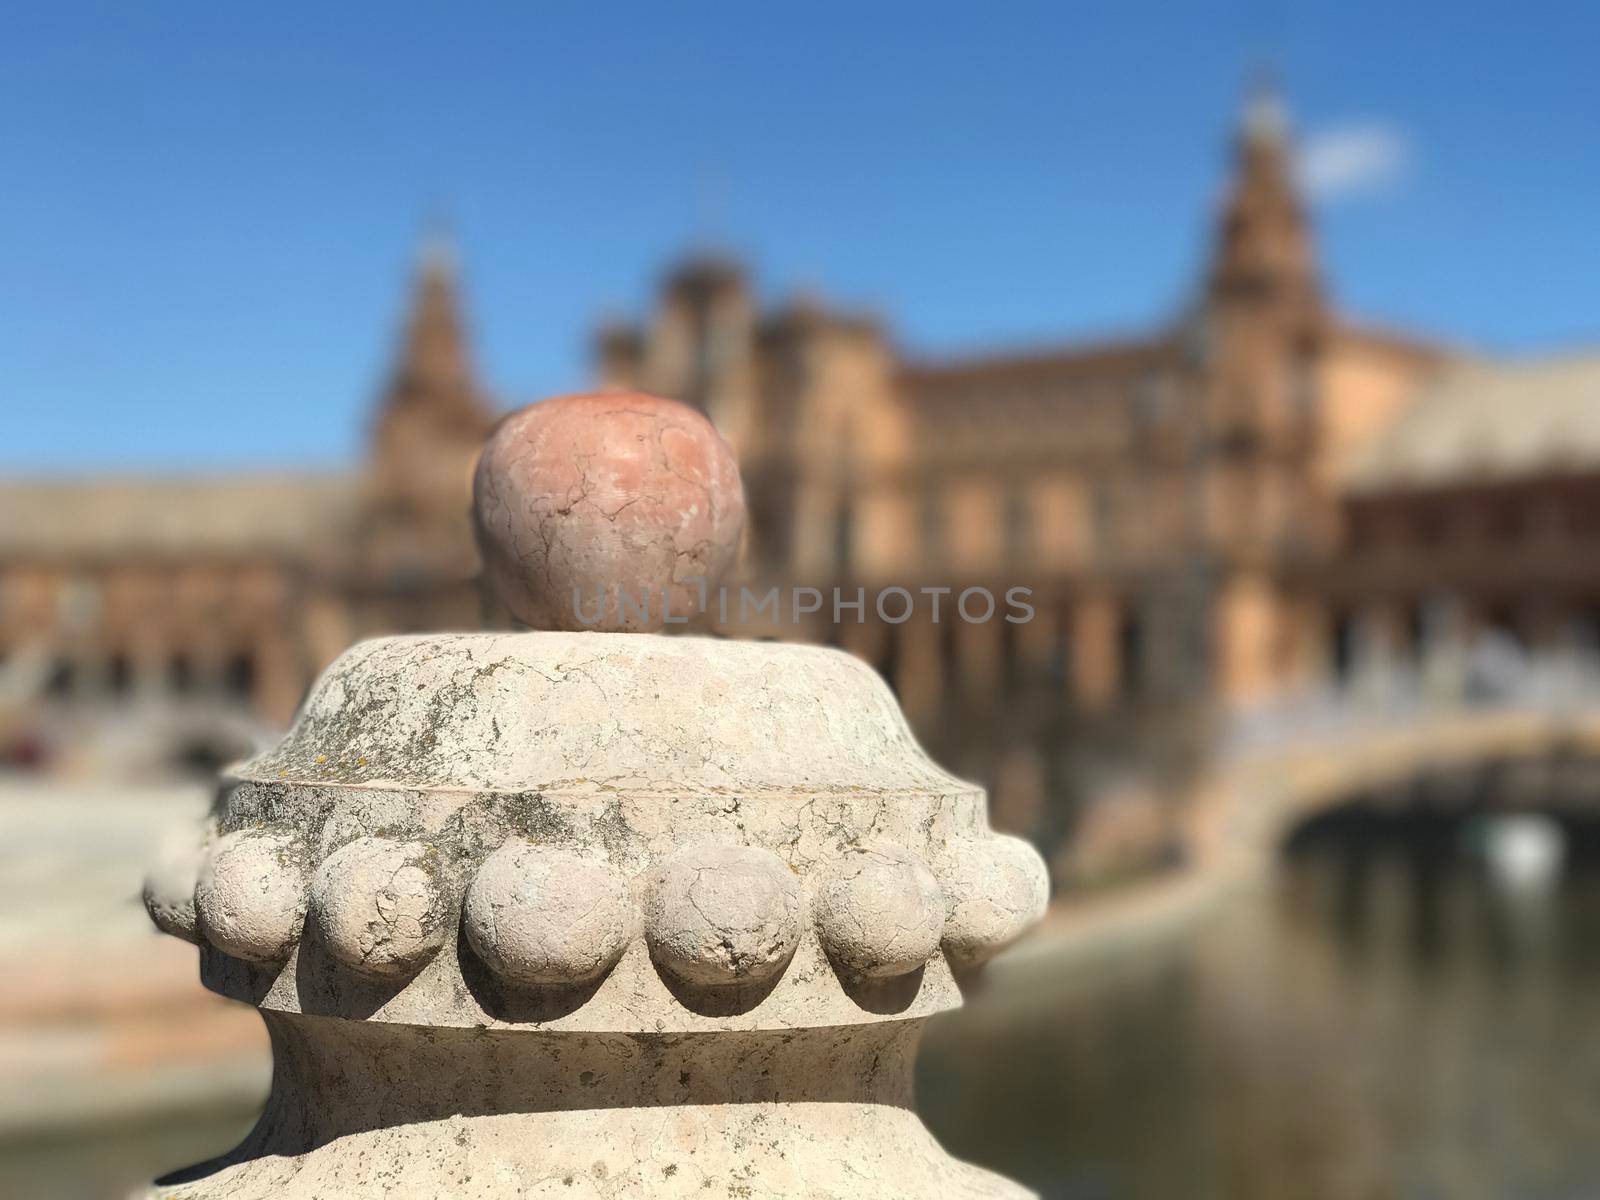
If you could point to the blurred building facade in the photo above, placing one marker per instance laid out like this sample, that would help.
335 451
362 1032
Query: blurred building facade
1238 504
1476 512
1174 503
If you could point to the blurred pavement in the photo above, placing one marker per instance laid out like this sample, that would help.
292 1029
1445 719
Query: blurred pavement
103 1022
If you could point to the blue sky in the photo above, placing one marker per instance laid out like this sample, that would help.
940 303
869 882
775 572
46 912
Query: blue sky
207 211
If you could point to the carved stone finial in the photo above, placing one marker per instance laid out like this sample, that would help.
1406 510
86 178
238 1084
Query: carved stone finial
610 511
566 913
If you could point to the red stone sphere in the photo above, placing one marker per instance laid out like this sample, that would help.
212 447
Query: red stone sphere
592 508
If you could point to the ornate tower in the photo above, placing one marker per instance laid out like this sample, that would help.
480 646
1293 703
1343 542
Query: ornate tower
1259 336
701 344
432 417
1264 249
1262 310
407 560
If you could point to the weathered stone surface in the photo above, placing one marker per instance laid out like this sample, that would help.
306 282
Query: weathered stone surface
577 714
378 906
250 901
530 749
722 915
879 911
822 1113
607 511
590 907
592 914
170 882
543 916
995 887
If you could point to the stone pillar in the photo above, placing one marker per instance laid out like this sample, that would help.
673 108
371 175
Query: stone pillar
978 648
1096 656
866 638
920 668
1313 654
1381 635
1020 790
1246 634
280 677
572 913
1035 640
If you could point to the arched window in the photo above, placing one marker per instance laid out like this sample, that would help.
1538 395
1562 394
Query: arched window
949 649
1103 515
119 675
1304 392
1012 674
63 677
932 521
1061 650
889 663
1130 649
844 521
1150 399
239 675
1019 523
1342 653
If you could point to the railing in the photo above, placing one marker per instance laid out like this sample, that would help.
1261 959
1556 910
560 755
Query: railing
1492 675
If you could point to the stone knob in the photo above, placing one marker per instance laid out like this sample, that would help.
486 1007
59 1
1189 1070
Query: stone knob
250 901
614 511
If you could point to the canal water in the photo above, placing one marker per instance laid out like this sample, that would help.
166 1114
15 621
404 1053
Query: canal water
1389 1016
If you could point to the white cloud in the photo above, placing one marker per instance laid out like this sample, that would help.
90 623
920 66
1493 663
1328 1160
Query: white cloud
1353 160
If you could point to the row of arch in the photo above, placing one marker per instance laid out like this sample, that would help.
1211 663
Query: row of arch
120 675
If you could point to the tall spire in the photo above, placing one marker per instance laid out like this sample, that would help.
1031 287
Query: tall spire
430 424
433 369
1264 248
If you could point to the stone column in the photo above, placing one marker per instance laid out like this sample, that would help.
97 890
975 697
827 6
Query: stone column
978 649
1095 657
280 676
576 913
920 668
1246 634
